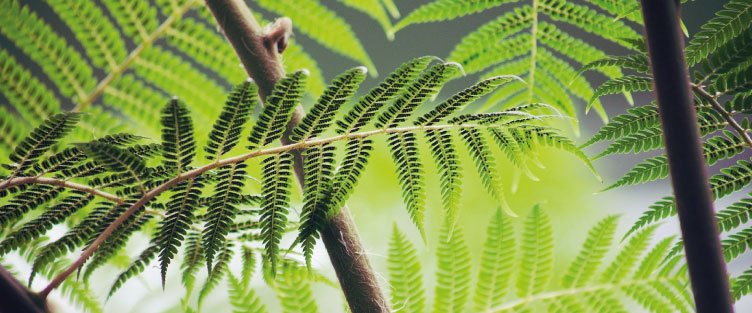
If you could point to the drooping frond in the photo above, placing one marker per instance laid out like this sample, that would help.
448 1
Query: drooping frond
365 110
138 266
319 168
179 218
278 109
496 264
536 263
626 124
222 209
450 171
218 270
243 298
454 268
42 139
226 131
411 175
294 290
276 188
116 242
626 84
335 34
405 278
741 285
178 144
320 116
357 153
376 10
193 256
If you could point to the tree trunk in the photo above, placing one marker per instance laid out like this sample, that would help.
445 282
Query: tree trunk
689 176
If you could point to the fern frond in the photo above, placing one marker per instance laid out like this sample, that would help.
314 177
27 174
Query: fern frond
357 153
636 62
63 64
738 213
277 110
496 265
742 285
459 100
193 256
243 298
42 139
116 242
454 268
11 132
30 97
450 172
222 209
411 176
536 264
178 144
335 34
40 225
741 102
365 110
320 116
25 201
589 20
624 262
375 9
728 57
136 19
116 159
593 251
729 83
294 291
644 140
423 88
626 84
275 189
736 244
174 226
319 168
579 50
141 104
442 10
485 162
138 266
626 124
735 16
101 41
218 270
226 131
405 279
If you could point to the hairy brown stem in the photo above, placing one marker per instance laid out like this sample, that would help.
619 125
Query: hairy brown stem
689 175
726 115
259 53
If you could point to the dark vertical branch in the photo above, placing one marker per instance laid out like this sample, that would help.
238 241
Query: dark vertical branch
689 177
259 51
16 298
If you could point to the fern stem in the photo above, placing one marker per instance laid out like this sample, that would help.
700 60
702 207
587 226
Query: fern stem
689 175
16 181
133 56
726 115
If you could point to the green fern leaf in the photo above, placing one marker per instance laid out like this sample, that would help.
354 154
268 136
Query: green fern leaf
741 285
496 265
364 111
140 103
728 23
627 259
116 159
101 41
277 110
136 19
411 176
375 10
626 124
116 242
636 62
627 84
319 168
294 290
732 82
459 100
454 268
442 10
226 131
335 34
405 279
425 87
27 200
589 20
193 256
178 144
242 298
276 189
741 102
134 269
222 210
218 270
591 256
38 40
179 218
536 264
357 153
320 117
734 215
450 171
42 139
736 244
485 164
729 57
30 97
40 225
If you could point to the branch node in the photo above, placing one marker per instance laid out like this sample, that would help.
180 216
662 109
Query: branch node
277 34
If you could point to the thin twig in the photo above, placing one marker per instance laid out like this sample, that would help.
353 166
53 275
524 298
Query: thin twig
726 115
